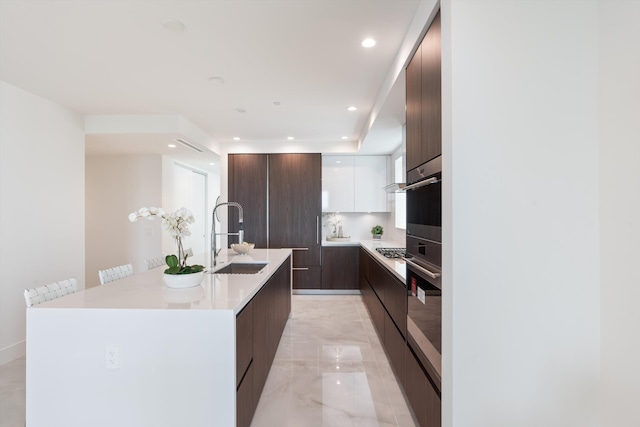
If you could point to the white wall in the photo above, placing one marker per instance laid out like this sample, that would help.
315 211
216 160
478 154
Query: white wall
115 187
521 331
177 192
620 210
41 204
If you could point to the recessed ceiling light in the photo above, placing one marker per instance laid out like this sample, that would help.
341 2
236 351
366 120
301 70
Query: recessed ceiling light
216 80
368 43
345 137
171 146
352 108
212 164
240 110
173 25
236 138
338 161
290 138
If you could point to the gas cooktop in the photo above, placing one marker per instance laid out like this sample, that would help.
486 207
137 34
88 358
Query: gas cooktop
392 252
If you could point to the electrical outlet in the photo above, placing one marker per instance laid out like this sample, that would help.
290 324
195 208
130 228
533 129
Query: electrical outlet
112 357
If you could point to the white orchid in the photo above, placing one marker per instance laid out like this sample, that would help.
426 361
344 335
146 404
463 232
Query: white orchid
176 224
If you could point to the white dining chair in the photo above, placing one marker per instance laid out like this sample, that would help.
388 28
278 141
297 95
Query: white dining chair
156 262
115 273
51 291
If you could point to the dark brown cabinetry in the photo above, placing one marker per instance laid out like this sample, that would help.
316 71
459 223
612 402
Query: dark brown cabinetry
424 99
386 300
340 267
295 206
422 394
247 186
281 197
259 327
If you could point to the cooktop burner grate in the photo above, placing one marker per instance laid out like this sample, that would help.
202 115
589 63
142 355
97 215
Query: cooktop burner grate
392 252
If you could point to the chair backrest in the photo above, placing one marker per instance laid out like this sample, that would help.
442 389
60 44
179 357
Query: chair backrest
115 273
51 291
154 262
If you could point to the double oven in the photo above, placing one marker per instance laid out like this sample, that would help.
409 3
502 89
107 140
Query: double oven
424 263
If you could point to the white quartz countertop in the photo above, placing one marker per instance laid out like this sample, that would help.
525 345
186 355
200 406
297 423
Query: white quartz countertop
396 266
146 290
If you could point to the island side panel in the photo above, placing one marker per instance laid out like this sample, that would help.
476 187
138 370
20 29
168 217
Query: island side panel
166 367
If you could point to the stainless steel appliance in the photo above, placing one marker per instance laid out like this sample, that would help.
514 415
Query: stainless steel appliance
392 252
424 265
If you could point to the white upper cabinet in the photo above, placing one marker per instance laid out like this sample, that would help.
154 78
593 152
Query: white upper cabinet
370 180
337 183
354 184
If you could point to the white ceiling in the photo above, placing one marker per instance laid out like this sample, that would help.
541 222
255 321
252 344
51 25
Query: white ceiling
114 57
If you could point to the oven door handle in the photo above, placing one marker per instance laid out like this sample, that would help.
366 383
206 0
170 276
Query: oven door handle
422 269
431 180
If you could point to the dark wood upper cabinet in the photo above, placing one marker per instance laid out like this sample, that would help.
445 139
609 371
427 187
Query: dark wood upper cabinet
248 186
414 109
281 198
432 92
295 205
424 99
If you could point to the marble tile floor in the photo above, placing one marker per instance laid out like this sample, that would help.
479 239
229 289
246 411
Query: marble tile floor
330 370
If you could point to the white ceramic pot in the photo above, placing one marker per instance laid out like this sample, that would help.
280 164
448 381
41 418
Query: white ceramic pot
180 281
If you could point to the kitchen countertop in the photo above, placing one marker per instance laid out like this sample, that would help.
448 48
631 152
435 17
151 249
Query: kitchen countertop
146 290
396 266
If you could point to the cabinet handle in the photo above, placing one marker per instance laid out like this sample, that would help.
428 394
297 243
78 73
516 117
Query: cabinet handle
299 249
300 269
431 180
317 230
422 269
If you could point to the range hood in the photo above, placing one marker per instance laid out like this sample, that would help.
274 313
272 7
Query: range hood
396 187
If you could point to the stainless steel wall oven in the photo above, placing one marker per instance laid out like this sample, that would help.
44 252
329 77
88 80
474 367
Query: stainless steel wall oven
424 264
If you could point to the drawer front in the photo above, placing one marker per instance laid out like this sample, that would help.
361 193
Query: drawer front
396 302
307 277
394 345
245 401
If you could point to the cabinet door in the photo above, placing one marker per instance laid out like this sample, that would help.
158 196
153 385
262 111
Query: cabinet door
337 183
248 186
414 109
307 277
370 175
394 345
340 267
295 205
431 93
422 395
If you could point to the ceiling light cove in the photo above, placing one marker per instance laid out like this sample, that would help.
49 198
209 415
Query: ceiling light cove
368 42
352 108
173 25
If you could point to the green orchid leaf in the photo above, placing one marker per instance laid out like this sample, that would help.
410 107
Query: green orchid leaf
172 261
172 270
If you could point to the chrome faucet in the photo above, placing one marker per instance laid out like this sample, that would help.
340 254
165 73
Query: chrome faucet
240 233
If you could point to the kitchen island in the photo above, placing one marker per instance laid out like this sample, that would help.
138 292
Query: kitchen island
135 353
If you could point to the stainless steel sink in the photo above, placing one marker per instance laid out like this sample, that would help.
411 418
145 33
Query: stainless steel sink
242 268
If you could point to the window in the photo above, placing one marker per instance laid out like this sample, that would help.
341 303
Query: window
401 198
